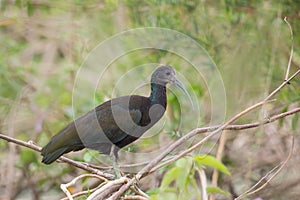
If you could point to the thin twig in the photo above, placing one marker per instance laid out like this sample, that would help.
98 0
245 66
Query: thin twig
138 191
292 49
232 127
215 175
89 167
111 167
194 132
282 85
31 145
119 181
135 197
259 182
123 189
85 192
223 127
65 187
28 144
192 148
144 171
84 167
108 192
252 190
152 164
203 181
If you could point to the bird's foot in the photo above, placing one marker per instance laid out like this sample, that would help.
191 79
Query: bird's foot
118 172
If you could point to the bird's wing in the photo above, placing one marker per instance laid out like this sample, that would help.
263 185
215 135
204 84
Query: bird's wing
107 125
97 129
63 142
122 122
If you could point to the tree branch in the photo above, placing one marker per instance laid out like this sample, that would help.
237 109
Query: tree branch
292 49
31 145
252 190
148 168
108 188
65 187
91 168
220 128
231 127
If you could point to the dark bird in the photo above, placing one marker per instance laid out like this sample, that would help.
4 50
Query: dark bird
115 123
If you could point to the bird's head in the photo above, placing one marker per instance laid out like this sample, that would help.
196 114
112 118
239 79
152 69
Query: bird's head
166 74
163 75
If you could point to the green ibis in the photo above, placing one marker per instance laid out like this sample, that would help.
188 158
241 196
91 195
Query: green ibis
115 123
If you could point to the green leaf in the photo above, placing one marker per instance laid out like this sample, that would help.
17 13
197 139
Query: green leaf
196 187
165 195
183 162
170 176
217 190
153 191
212 162
154 197
182 179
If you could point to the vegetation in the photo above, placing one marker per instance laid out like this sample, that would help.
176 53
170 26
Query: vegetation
44 45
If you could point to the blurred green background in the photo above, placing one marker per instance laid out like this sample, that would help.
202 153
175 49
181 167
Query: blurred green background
44 43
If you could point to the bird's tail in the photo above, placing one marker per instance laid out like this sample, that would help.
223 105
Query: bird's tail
50 157
63 142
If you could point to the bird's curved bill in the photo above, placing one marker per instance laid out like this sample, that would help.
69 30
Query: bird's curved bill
182 88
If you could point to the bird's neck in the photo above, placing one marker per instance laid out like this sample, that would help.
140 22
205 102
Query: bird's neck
158 94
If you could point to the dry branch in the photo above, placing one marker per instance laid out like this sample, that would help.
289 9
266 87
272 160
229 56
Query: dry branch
292 49
254 188
92 168
35 147
108 188
65 187
135 197
153 165
148 168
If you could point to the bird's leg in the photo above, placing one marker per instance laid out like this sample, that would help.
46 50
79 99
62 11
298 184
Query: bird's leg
114 156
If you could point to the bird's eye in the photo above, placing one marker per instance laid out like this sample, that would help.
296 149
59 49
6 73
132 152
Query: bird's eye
168 73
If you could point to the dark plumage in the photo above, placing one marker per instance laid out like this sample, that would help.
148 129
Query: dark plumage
117 122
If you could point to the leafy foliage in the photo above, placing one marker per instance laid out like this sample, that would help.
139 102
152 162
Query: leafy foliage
180 179
202 160
45 43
